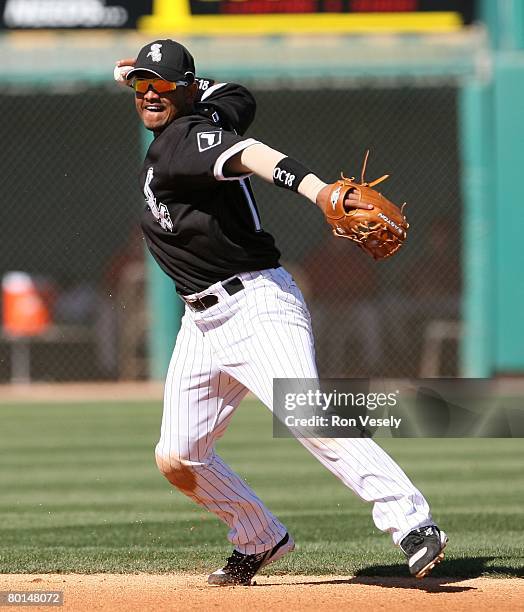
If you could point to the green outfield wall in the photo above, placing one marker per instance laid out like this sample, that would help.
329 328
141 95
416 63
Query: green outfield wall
508 211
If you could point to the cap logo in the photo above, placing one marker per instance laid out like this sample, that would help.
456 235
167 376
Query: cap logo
155 54
208 140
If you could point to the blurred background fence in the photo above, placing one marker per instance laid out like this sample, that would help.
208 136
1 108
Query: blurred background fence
369 318
71 200
71 203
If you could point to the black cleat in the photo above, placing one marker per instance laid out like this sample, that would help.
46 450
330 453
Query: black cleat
424 548
240 568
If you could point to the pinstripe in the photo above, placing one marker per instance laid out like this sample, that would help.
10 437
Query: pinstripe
209 428
198 402
382 462
212 482
261 514
337 468
187 404
365 488
182 346
250 373
230 488
219 500
244 342
257 509
232 493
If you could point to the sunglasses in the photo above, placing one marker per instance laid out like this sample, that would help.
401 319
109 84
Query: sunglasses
159 85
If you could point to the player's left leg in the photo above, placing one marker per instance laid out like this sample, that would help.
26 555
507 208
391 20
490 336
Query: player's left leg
279 344
399 508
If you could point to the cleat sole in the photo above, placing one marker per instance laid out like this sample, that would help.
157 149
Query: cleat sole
426 570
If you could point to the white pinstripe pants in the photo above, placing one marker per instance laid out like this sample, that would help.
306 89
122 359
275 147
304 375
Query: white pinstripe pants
241 344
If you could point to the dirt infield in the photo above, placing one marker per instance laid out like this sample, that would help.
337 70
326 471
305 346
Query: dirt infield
82 392
144 592
143 390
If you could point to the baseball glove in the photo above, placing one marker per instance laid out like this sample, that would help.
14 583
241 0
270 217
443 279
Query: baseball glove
379 231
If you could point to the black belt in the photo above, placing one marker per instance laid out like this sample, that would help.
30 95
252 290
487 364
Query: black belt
206 301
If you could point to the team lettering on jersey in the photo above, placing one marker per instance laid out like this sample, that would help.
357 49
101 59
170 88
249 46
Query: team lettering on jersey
159 211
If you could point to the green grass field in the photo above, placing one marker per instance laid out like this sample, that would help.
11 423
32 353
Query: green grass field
80 492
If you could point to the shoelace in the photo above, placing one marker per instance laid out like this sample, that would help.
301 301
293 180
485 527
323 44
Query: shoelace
412 542
238 561
234 560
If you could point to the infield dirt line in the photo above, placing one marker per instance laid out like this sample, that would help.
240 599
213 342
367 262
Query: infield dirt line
147 592
144 391
82 392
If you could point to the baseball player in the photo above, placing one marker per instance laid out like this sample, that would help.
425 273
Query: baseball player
245 320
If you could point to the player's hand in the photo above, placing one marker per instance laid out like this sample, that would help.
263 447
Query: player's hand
122 67
130 61
352 200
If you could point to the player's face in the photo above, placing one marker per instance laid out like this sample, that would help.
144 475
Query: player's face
158 110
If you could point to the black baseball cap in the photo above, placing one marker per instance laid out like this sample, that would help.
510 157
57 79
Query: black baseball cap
166 59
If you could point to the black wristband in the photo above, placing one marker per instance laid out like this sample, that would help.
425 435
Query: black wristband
288 173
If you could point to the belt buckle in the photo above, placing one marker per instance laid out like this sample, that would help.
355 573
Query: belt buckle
196 305
199 304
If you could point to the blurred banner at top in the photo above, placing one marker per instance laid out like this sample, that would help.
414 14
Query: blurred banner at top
239 16
67 14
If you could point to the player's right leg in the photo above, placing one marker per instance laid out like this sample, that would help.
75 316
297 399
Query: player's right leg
199 402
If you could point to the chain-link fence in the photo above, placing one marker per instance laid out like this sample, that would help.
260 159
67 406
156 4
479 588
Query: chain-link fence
372 318
71 202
